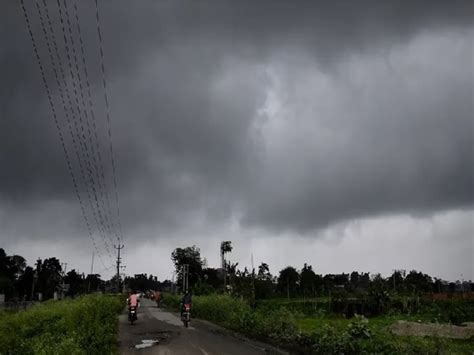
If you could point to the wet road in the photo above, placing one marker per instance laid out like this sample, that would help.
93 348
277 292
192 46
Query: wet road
160 332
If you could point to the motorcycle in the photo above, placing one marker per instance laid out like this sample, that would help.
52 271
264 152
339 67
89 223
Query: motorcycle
186 315
132 314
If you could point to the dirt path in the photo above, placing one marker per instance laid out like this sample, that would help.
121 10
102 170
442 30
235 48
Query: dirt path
161 332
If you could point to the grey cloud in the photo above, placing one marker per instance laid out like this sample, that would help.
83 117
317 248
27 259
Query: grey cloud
187 82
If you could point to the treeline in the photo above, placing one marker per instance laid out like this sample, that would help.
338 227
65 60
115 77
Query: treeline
144 282
19 281
291 282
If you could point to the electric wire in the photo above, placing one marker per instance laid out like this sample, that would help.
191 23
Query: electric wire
80 132
86 116
66 89
92 113
58 127
109 131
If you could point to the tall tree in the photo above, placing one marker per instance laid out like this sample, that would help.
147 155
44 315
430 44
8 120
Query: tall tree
25 283
76 283
192 257
396 280
309 281
418 282
226 247
264 286
49 276
288 281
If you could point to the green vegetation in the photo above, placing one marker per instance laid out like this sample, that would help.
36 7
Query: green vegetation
326 314
86 325
324 332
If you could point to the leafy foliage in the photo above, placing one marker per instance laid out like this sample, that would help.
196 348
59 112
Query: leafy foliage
192 257
86 325
275 322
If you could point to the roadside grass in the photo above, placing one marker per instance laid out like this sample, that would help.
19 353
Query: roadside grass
86 325
339 335
326 333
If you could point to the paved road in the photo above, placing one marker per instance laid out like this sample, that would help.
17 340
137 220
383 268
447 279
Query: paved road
201 338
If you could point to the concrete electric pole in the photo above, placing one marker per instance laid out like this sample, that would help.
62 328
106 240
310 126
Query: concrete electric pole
119 247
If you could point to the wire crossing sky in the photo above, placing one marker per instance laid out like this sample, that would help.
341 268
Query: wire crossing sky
79 122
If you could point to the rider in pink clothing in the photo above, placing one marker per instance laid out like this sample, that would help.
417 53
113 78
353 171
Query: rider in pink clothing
133 300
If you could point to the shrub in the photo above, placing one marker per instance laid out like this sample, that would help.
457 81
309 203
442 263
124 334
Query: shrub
86 325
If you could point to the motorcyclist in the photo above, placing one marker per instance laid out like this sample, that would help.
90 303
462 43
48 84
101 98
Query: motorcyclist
187 299
133 300
158 298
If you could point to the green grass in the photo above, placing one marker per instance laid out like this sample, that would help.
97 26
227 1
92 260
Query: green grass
381 340
286 323
86 325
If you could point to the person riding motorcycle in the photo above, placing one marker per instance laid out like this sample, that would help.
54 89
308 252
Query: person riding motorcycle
187 299
133 300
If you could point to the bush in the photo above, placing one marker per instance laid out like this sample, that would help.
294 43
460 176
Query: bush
87 325
452 311
275 322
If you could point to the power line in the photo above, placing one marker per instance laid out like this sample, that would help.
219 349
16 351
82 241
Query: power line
101 50
86 116
58 128
76 126
53 62
91 106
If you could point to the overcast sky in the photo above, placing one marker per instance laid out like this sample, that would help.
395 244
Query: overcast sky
337 134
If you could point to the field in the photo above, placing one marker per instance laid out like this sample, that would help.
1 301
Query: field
85 325
309 326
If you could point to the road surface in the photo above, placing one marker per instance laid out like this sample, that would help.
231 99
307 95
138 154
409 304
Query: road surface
161 332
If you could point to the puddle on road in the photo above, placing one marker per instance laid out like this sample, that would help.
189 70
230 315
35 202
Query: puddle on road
146 343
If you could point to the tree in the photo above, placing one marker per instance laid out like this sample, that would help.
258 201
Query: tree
418 282
75 282
211 277
264 286
17 265
93 283
188 256
25 283
288 281
226 247
309 281
49 276
264 272
396 280
11 269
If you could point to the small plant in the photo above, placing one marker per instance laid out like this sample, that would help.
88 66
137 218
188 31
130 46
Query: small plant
359 328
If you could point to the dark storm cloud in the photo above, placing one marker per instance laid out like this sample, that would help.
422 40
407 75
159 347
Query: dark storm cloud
187 81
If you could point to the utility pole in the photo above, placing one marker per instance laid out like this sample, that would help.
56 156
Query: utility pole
172 284
394 285
92 263
119 260
35 276
185 272
62 278
253 281
92 270
288 287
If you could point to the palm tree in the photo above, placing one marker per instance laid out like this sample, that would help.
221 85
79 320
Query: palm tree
226 247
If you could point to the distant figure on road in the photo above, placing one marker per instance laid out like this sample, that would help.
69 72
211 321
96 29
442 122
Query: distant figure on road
158 298
187 299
